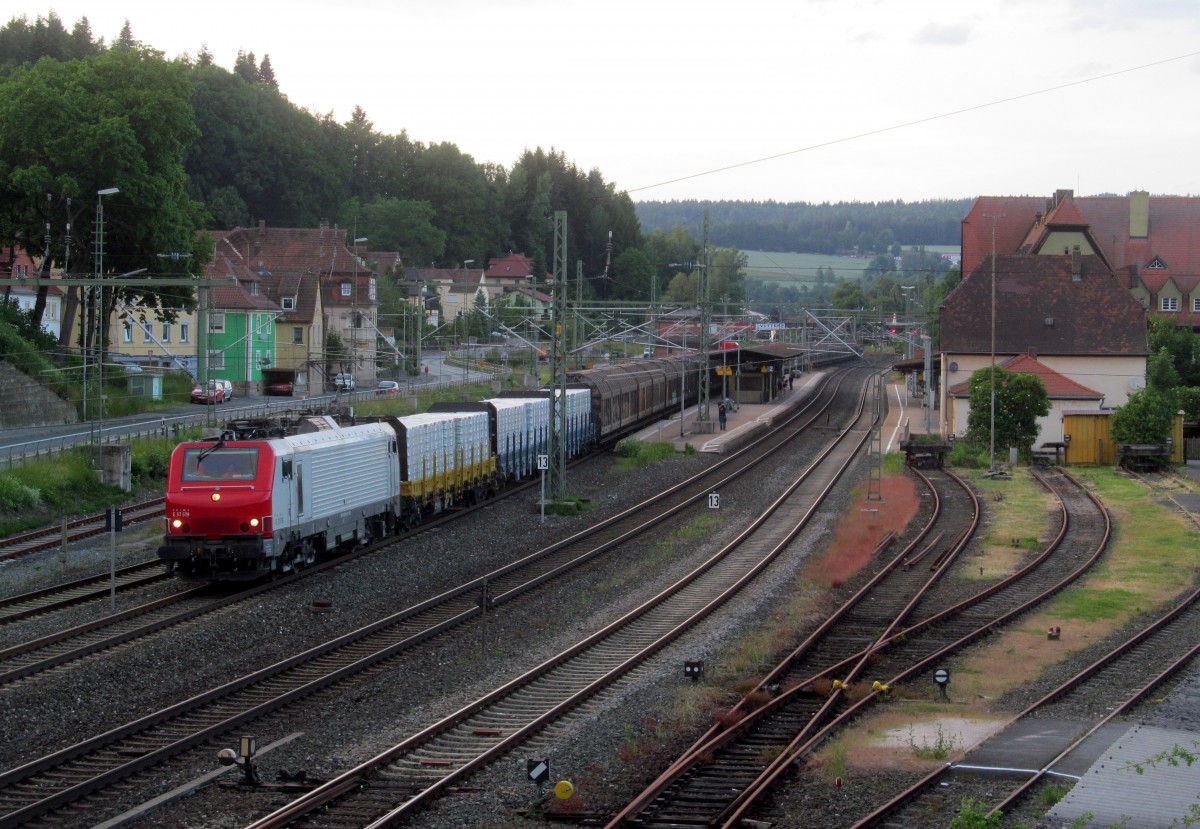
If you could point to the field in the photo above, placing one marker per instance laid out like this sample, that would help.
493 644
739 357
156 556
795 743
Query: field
802 267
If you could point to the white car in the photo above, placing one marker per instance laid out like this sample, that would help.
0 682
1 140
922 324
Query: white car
228 389
343 382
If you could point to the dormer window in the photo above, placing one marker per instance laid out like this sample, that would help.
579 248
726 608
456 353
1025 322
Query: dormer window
287 303
1168 303
1156 264
253 289
345 289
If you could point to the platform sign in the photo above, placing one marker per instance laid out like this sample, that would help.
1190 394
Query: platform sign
538 770
769 326
543 462
714 500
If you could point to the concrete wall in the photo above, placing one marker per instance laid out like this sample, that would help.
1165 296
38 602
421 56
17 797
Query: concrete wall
25 402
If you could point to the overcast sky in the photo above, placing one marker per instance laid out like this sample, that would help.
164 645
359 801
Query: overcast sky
815 99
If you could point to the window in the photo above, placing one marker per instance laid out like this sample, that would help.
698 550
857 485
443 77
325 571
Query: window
147 333
127 331
288 303
345 289
216 360
216 322
371 289
184 331
298 335
253 289
166 335
1195 305
1168 303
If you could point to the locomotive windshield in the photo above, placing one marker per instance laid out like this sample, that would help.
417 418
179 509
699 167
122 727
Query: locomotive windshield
226 463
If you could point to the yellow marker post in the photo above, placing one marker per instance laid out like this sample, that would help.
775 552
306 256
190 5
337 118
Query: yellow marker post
563 789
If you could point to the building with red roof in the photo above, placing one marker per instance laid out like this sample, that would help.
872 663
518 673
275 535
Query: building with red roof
1151 243
1065 395
1067 313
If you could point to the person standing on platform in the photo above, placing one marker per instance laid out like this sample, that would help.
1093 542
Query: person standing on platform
721 415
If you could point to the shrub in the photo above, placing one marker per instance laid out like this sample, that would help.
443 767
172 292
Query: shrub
16 496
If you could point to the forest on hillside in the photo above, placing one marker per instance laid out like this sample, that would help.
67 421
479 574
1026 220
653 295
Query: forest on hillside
181 145
800 227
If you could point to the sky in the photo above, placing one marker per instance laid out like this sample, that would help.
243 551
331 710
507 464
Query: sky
784 100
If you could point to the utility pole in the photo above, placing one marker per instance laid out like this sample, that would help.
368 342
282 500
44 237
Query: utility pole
558 362
992 429
703 419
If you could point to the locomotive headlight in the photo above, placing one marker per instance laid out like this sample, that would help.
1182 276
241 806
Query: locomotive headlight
216 496
254 523
177 523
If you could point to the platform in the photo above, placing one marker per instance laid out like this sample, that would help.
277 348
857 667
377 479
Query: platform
741 426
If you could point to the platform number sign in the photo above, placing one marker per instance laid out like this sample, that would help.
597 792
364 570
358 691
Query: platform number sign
714 500
543 462
538 770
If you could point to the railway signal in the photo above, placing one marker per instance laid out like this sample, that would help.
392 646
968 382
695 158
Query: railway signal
942 677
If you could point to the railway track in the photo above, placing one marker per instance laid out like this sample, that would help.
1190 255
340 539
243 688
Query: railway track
729 771
64 779
386 789
1108 687
89 588
52 650
78 529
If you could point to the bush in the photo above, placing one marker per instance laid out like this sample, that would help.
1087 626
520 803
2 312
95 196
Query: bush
968 456
16 496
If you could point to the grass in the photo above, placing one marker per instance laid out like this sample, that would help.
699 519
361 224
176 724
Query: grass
42 493
635 454
1018 518
792 268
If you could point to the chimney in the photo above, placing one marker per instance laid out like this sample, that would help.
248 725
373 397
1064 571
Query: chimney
1076 264
1139 214
1037 219
262 227
1032 351
1061 196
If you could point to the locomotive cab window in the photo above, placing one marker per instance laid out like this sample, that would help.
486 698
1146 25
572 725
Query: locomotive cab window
212 464
286 470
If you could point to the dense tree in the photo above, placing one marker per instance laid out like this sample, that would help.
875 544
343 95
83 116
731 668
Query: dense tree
24 43
396 224
266 73
849 296
1161 374
68 129
1146 417
1020 400
1181 343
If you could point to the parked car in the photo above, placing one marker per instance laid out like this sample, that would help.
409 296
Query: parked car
387 387
228 386
213 393
343 382
283 388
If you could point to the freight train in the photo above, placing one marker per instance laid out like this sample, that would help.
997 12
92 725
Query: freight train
268 497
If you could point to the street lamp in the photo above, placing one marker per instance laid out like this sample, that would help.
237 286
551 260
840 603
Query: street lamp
354 314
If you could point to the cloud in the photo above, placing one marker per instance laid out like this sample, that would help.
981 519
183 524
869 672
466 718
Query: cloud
938 35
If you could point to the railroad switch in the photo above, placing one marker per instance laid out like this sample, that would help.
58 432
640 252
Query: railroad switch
242 756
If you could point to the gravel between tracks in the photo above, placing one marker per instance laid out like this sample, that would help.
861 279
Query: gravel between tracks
602 749
367 715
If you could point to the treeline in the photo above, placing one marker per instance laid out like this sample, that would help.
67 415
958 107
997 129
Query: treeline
193 145
801 227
